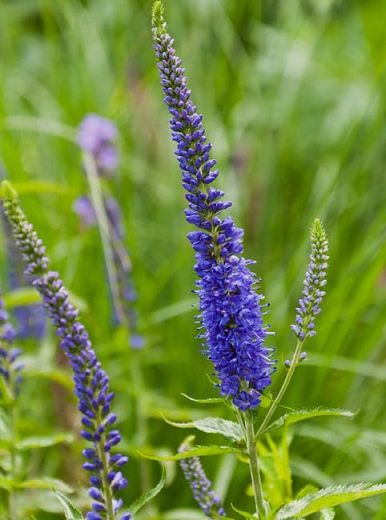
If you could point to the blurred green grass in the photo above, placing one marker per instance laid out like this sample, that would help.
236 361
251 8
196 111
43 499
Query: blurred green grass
294 100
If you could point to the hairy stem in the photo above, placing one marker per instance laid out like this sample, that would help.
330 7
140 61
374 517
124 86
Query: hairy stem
254 467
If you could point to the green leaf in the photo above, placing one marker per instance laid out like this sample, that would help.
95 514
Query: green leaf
148 495
197 451
244 514
327 514
305 414
229 429
6 483
45 483
29 443
306 490
209 400
328 497
70 511
43 187
21 296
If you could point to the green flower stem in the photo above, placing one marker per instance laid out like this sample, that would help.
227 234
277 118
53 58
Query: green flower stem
254 466
290 372
103 225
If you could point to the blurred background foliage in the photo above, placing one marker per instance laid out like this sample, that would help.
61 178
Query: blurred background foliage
293 94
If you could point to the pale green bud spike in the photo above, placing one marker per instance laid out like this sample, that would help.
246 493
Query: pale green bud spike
7 191
318 233
158 20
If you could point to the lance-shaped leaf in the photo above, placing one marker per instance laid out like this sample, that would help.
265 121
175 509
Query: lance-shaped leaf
305 414
148 495
197 451
228 429
327 498
70 511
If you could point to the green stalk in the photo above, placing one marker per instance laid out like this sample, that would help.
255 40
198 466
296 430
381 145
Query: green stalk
103 225
254 467
290 372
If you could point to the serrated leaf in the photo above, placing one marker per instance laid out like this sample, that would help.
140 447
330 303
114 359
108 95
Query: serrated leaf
327 514
229 429
29 443
304 415
148 495
306 490
70 511
327 498
197 451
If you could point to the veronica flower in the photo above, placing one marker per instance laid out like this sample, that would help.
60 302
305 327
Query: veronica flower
231 312
96 136
200 484
92 386
313 291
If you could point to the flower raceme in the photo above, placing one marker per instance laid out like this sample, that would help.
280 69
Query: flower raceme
199 483
91 382
230 308
313 288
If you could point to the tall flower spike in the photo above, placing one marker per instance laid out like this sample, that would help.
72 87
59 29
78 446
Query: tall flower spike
230 308
91 382
199 483
309 304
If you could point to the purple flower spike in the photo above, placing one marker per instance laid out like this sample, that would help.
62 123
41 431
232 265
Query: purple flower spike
199 483
313 292
92 386
231 311
96 136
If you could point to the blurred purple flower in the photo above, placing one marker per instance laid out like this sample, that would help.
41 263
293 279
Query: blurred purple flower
96 135
85 210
